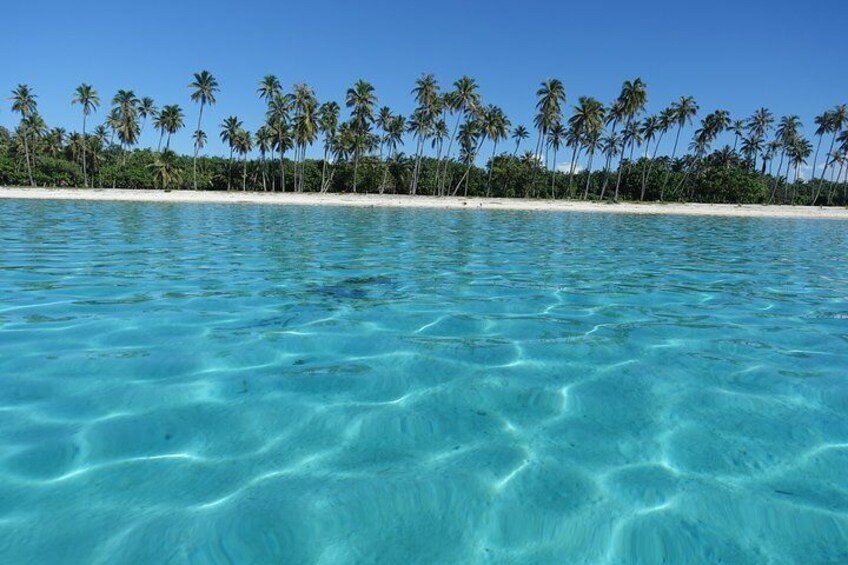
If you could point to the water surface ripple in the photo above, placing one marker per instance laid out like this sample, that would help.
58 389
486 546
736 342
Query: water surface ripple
247 384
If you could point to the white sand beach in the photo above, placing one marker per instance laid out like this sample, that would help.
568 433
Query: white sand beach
406 201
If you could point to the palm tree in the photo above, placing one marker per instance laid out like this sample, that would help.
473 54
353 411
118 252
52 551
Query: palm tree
758 126
328 125
471 137
165 169
462 100
393 139
649 129
361 99
204 86
126 114
264 142
633 97
665 121
587 116
430 102
229 132
305 126
556 135
24 103
278 117
269 88
591 143
87 98
243 144
683 111
199 138
787 131
738 129
146 109
174 122
838 120
611 146
495 126
519 134
549 100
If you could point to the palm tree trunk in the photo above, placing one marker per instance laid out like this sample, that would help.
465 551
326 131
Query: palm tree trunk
532 190
355 169
196 148
84 167
491 168
26 154
572 167
230 169
413 188
777 180
588 175
244 174
621 161
323 169
448 155
553 176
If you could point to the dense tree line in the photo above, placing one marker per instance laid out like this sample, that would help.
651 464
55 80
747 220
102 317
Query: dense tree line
444 137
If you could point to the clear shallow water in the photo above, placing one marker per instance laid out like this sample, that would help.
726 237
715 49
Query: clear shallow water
212 384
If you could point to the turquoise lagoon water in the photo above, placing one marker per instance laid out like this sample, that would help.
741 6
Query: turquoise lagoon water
247 384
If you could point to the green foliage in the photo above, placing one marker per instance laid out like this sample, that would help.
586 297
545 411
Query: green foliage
716 178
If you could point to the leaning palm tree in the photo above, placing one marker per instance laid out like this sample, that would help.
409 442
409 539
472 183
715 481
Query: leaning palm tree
204 86
838 120
519 134
665 120
361 99
683 111
87 98
611 146
24 103
650 130
633 97
173 121
229 131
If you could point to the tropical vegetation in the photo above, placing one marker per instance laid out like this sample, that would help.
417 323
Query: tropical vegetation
452 143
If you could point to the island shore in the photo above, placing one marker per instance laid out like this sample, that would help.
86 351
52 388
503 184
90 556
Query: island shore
406 201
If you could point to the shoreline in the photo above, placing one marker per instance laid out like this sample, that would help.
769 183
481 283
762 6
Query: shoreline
422 202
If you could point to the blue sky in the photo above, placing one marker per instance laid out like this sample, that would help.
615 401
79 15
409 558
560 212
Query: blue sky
736 55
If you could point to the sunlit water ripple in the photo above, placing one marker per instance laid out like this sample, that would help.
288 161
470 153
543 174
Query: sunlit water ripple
247 384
